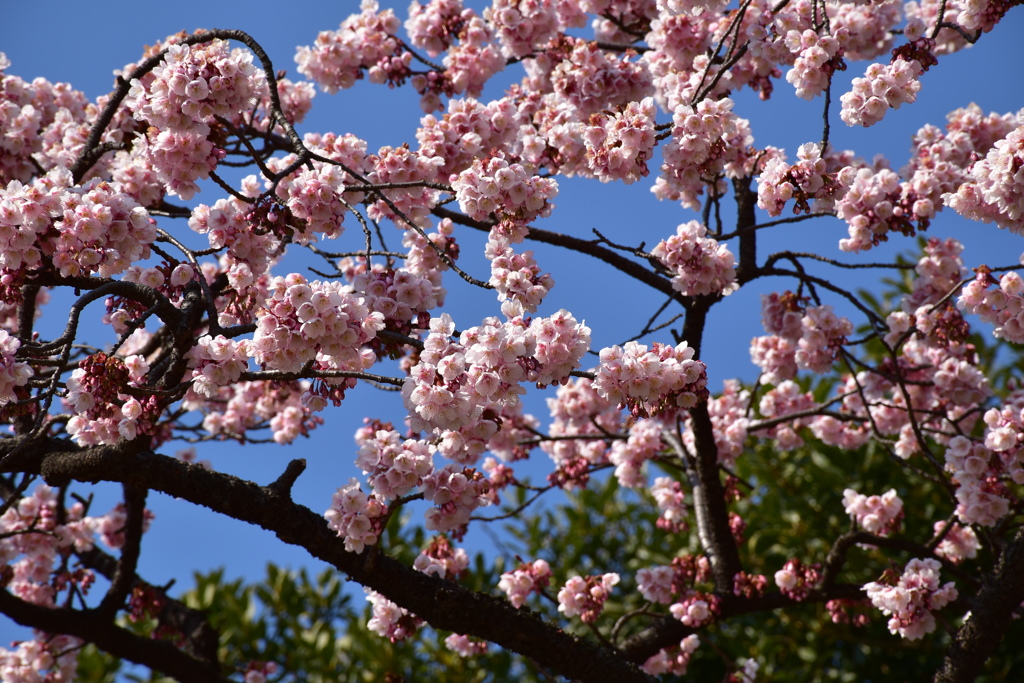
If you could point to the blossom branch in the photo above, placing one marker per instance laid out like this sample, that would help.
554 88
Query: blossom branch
443 604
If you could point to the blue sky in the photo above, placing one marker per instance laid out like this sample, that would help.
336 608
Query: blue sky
83 43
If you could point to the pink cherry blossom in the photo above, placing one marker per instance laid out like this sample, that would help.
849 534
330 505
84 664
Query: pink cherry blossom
796 579
958 544
878 514
673 660
995 192
356 517
314 321
911 600
389 620
585 596
619 144
526 579
883 87
339 58
701 264
194 84
508 190
464 646
663 379
393 467
13 374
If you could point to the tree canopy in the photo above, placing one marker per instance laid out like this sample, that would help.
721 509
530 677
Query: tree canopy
533 493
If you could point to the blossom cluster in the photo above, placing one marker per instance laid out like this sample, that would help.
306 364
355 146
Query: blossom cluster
786 399
701 264
668 496
403 297
25 214
314 197
194 84
395 623
585 597
523 27
817 58
995 191
656 583
707 140
805 181
876 204
92 228
434 26
390 621
248 253
673 660
100 230
796 579
823 333
35 117
695 610
663 379
516 277
393 467
578 410
404 204
34 537
454 383
467 131
175 158
729 422
456 492
495 186
356 517
338 58
529 577
981 497
620 143
464 646
941 162
939 270
959 543
911 600
1002 305
217 362
13 373
104 411
305 321
877 514
468 66
589 79
441 559
499 431
111 526
50 658
801 338
642 443
241 407
37 532
883 87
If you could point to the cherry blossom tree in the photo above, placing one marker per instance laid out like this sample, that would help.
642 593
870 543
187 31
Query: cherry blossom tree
182 263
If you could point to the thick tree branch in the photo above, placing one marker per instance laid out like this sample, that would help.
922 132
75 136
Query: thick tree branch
124 573
443 604
977 640
95 628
